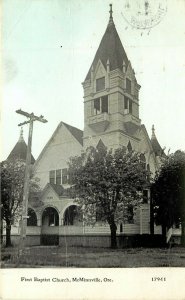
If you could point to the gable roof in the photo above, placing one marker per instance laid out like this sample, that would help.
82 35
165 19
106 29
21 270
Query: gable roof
110 48
20 150
77 134
57 188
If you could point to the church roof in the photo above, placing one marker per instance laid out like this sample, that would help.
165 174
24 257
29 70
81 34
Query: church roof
111 49
58 189
20 150
155 144
77 133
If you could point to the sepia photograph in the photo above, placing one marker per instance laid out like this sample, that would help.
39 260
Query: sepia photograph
92 149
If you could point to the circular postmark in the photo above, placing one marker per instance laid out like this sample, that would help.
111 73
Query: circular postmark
144 14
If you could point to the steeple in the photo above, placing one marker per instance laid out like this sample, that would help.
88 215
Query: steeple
111 94
110 48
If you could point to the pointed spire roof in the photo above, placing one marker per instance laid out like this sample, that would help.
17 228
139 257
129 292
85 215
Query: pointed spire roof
155 144
110 48
20 149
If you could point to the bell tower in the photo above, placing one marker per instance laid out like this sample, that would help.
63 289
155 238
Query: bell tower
111 95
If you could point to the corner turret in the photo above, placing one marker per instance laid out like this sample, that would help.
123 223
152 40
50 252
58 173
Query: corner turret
20 149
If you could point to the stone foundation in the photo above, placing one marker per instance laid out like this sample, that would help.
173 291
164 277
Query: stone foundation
100 241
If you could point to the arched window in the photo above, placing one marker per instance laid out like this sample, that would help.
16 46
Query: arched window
101 145
145 196
143 160
148 170
129 147
32 220
130 214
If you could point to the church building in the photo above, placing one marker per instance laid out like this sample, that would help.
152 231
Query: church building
111 118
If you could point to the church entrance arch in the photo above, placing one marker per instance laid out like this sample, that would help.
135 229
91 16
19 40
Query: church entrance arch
50 226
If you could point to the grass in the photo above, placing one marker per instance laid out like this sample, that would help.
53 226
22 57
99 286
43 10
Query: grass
84 257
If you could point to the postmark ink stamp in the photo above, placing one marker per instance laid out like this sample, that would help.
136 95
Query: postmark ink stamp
144 14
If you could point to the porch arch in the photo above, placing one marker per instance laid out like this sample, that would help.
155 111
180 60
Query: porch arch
32 220
71 216
50 216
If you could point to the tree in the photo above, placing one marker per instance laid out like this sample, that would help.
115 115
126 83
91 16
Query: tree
106 183
12 184
168 192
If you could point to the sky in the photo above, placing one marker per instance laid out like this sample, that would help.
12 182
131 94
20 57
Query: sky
48 47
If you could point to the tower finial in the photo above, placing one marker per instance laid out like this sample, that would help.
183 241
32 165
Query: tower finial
21 135
111 12
153 131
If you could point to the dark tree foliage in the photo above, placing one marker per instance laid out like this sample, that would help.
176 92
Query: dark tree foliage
12 184
106 183
168 192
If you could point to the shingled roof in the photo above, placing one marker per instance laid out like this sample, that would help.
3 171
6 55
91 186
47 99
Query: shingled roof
58 189
110 48
77 133
20 150
155 144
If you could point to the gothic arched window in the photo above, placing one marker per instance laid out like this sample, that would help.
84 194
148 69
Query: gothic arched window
148 170
129 147
101 145
143 160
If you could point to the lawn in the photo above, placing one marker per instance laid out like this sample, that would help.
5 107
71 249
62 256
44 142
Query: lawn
84 257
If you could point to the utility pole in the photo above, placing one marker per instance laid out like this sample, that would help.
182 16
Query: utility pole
31 118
